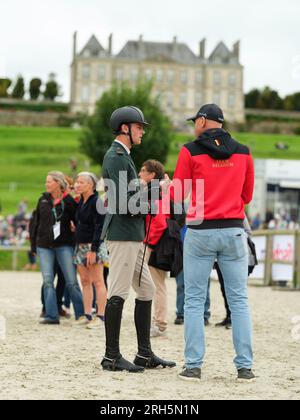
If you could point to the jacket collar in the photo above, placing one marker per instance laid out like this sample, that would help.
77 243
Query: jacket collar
122 145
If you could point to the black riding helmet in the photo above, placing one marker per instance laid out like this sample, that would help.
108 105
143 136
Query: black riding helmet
126 115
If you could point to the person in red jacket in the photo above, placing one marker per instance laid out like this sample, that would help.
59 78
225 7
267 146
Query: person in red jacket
218 172
155 228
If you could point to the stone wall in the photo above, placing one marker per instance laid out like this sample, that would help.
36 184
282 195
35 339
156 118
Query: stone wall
23 118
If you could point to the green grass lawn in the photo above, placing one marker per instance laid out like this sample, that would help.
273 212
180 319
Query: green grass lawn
28 154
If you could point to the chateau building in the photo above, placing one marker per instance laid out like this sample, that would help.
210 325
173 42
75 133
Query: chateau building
183 80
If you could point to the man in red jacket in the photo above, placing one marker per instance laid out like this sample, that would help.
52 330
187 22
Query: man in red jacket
219 172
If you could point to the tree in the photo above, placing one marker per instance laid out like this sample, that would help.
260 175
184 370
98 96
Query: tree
264 99
252 98
35 89
19 89
270 99
52 90
97 136
292 102
4 85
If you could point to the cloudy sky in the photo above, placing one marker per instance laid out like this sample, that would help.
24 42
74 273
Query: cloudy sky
36 36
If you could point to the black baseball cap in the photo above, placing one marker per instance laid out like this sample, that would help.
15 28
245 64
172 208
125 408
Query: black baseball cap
210 112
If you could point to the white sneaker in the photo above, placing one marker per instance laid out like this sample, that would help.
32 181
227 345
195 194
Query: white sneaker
156 332
96 323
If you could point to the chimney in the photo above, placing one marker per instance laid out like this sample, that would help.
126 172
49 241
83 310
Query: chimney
175 44
110 44
141 45
74 45
236 49
202 48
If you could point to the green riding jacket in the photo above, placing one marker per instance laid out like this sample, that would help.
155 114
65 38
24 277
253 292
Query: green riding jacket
122 227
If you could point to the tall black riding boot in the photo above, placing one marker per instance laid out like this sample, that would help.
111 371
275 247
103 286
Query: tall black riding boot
145 357
113 360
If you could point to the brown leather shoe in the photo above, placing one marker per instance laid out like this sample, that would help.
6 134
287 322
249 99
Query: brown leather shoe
64 314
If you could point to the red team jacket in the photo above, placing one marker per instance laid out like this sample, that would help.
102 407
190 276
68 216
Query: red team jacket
226 168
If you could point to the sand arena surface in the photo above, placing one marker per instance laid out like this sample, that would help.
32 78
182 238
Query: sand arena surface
63 362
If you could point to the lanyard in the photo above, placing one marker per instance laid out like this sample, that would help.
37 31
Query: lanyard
58 218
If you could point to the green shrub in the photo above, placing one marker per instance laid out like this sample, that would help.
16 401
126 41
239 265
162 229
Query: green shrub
97 135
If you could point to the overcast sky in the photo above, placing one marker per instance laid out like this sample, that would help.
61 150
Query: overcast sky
36 35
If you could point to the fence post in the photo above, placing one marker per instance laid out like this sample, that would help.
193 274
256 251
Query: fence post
15 260
268 261
297 261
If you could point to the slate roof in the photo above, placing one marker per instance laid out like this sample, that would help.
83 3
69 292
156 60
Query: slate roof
93 47
222 54
161 51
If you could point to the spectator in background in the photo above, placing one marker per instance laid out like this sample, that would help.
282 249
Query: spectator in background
52 238
22 208
3 230
256 222
155 228
90 253
278 223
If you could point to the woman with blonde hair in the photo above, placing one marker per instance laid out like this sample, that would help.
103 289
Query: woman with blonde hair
90 254
52 239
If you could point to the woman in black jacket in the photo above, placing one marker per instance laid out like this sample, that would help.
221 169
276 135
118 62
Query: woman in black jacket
52 239
90 252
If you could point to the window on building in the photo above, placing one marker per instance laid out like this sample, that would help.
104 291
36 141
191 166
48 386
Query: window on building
217 99
86 71
170 76
101 72
198 100
100 91
86 53
169 100
184 77
183 100
134 75
85 94
199 76
232 79
159 76
119 74
231 100
217 78
149 74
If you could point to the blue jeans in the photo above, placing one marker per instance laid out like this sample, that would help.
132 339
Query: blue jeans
64 256
180 298
201 249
